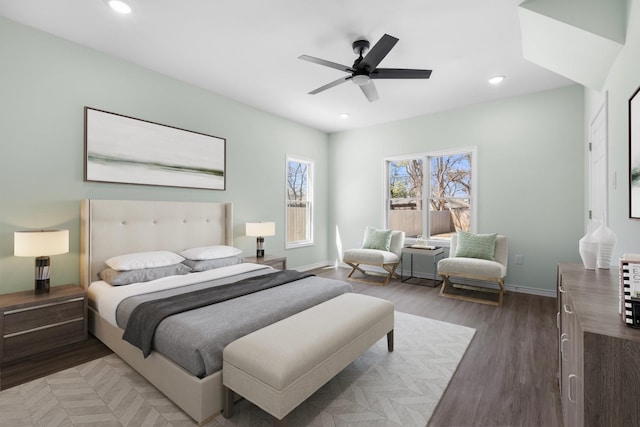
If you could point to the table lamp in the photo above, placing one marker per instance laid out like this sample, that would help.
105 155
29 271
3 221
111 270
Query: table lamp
260 230
41 244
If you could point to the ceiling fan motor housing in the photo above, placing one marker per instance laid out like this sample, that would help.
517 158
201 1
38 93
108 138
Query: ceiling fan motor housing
360 47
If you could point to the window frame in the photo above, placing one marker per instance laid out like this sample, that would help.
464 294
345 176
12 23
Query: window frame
426 185
310 200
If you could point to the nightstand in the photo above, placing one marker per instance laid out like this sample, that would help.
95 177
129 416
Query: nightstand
277 262
32 323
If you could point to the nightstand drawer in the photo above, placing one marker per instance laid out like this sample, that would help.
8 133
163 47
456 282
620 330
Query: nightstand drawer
32 323
48 337
25 319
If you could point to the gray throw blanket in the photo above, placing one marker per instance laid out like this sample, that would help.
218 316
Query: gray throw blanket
146 317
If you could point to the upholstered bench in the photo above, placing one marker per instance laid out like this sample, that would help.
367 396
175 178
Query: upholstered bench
280 366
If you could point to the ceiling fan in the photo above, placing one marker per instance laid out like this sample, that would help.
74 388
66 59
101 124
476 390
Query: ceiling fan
364 71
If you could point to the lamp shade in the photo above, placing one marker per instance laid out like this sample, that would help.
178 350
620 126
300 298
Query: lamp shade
260 229
40 242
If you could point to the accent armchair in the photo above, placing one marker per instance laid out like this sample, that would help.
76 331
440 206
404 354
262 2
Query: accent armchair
380 248
478 267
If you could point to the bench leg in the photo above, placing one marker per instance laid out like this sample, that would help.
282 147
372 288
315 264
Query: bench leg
229 396
390 341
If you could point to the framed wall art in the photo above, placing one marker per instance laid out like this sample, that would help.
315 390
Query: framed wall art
132 151
634 155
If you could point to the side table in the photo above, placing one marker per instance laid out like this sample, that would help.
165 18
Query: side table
33 323
436 254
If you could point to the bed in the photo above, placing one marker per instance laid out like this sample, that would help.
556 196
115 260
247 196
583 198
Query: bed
115 227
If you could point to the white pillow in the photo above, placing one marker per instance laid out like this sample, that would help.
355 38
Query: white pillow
210 252
140 260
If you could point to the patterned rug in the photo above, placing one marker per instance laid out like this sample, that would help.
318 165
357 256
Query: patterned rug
378 389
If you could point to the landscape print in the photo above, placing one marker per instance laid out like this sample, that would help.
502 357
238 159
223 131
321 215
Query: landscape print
128 150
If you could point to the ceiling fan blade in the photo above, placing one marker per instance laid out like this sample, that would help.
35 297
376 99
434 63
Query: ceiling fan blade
377 52
330 85
370 91
399 73
330 64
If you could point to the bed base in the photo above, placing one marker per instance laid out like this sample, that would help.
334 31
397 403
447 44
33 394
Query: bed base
200 398
116 227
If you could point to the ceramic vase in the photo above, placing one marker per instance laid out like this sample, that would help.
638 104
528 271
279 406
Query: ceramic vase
588 248
606 240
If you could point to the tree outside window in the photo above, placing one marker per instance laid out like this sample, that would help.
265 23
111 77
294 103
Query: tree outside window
447 192
299 202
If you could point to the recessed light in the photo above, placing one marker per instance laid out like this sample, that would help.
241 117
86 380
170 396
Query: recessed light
343 116
120 6
496 80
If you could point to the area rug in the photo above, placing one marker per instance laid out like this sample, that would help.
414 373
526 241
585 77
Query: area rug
378 389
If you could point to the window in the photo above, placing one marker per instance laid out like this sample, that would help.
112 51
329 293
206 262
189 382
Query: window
299 213
443 182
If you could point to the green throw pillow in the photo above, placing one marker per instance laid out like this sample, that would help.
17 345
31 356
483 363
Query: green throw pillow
377 239
480 246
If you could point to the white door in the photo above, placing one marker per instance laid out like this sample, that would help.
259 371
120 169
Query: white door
598 170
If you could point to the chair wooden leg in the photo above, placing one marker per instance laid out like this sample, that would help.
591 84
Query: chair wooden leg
445 283
391 269
390 341
502 292
354 267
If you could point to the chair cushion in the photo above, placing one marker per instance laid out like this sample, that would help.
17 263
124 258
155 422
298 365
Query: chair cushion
377 239
480 246
369 256
471 267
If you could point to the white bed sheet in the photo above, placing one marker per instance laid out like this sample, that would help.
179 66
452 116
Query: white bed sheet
105 298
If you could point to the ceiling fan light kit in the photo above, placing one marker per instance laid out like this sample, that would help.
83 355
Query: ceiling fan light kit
364 69
360 79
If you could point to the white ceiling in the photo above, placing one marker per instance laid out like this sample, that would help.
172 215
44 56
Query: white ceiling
247 50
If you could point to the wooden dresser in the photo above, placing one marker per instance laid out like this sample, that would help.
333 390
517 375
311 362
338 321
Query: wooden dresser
599 355
32 323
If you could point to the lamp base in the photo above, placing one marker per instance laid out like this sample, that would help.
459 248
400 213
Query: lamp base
42 286
42 275
260 247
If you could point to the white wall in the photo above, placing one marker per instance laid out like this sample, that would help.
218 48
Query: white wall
530 175
623 80
46 81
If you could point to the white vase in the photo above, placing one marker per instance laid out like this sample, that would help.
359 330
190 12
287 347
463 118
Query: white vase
606 239
588 249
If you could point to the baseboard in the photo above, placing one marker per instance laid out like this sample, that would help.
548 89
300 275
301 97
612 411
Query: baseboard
551 293
321 264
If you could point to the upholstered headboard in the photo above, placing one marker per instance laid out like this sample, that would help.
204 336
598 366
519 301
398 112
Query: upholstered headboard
117 227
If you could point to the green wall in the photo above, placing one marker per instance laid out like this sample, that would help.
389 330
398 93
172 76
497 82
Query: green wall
530 159
623 80
530 175
46 81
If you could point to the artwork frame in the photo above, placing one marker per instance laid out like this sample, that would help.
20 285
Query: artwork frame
634 155
128 150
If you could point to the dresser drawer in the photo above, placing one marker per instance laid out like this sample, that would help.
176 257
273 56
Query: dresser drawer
24 344
25 319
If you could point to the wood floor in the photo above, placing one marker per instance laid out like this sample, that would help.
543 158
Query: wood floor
506 378
508 375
